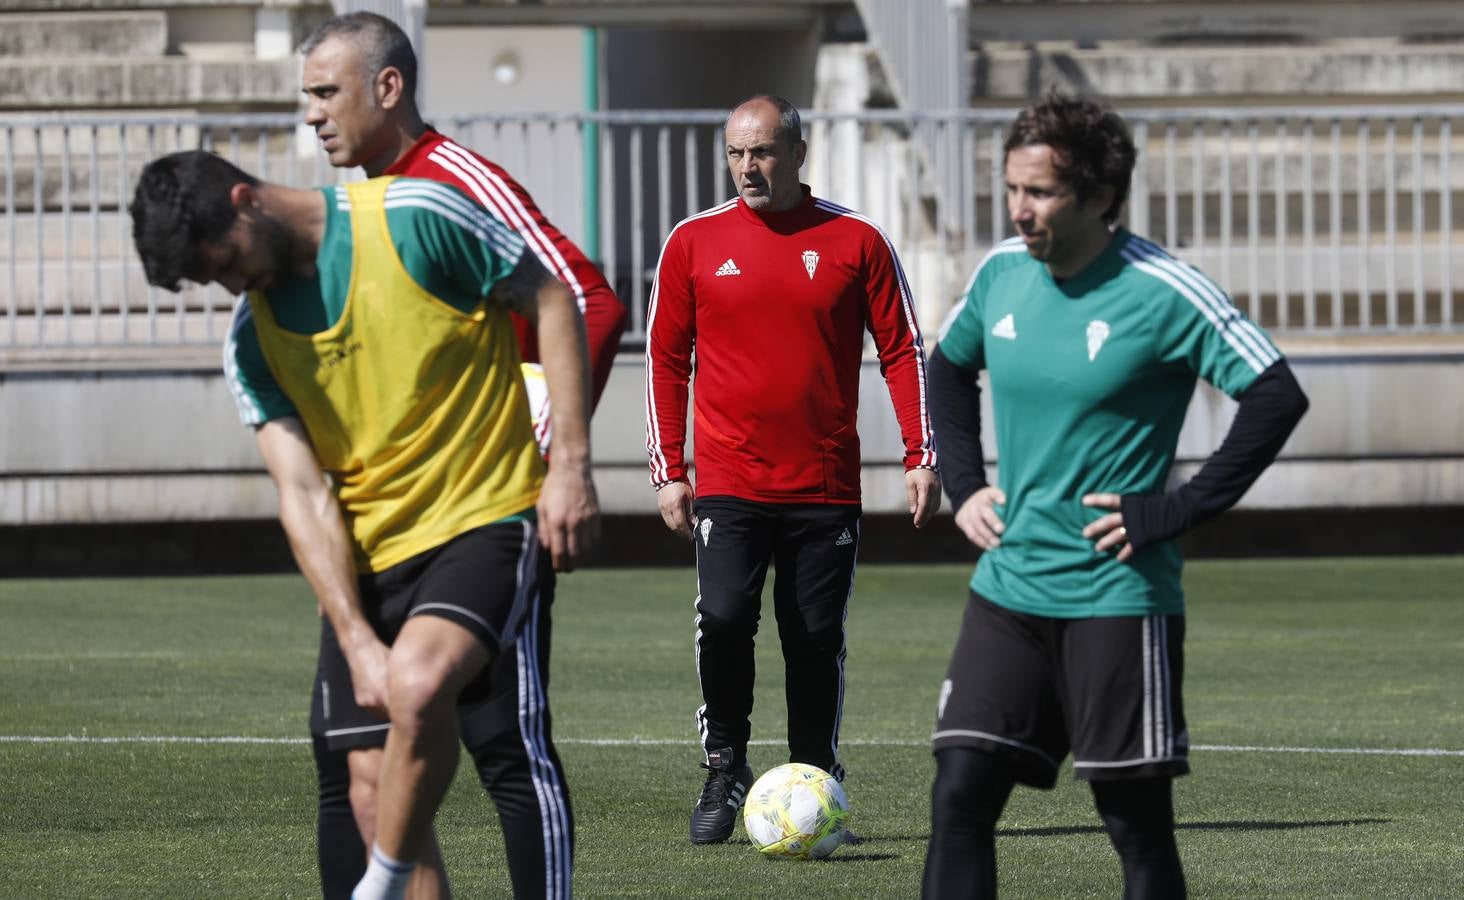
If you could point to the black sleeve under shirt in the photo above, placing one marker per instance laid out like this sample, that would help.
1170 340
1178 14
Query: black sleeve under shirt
955 414
1269 410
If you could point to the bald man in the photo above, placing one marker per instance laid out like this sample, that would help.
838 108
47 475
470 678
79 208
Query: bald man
774 290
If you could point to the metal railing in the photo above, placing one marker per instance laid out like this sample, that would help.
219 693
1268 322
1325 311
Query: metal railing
1323 221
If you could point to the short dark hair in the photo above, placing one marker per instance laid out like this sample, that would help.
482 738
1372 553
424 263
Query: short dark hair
381 43
790 124
182 200
1092 145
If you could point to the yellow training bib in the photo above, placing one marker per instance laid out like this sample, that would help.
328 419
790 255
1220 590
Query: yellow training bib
415 409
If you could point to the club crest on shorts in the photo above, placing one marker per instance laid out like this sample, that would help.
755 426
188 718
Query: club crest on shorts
1097 334
706 530
810 262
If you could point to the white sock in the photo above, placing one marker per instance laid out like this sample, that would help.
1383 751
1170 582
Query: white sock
385 878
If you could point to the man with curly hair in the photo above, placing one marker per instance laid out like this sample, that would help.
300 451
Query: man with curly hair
1072 641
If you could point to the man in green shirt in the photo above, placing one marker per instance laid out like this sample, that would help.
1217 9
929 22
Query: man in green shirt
1072 641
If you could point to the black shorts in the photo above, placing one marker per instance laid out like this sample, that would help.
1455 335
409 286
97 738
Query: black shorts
487 580
1032 688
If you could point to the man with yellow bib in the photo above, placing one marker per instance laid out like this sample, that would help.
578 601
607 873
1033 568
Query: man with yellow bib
373 355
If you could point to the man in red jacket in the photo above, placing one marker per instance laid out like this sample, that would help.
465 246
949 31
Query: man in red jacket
774 291
359 77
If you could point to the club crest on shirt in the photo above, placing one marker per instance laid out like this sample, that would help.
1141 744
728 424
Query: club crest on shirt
1097 334
810 262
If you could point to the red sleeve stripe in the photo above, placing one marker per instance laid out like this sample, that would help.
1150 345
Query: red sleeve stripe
927 441
499 198
659 467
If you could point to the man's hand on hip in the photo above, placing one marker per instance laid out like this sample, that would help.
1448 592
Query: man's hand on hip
922 490
674 499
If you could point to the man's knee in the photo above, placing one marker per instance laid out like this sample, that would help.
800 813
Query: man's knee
430 664
971 788
727 619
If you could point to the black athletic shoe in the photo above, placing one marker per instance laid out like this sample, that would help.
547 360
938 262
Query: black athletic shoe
716 812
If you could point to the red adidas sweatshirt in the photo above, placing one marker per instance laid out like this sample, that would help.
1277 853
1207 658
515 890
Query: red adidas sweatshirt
440 159
775 306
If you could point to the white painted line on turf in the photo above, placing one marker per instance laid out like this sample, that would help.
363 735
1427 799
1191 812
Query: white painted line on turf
1369 751
678 742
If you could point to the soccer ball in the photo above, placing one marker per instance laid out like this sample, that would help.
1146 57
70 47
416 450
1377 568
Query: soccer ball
796 810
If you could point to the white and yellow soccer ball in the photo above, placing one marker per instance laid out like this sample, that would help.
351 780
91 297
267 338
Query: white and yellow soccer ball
796 810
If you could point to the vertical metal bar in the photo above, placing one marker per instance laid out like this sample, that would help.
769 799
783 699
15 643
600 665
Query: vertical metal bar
1283 303
1390 218
943 203
1227 204
1364 214
911 243
552 153
637 217
67 248
693 167
526 158
966 157
1141 180
125 258
261 155
152 292
1420 291
1171 190
663 183
1335 211
721 176
38 212
12 301
1197 190
1308 226
998 188
1253 221
1446 223
610 244
856 154
94 196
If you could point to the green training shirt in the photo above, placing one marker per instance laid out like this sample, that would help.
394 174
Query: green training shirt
1090 380
450 246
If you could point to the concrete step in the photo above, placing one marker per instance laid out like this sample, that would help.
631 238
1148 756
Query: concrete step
1230 22
1354 70
141 33
56 84
92 5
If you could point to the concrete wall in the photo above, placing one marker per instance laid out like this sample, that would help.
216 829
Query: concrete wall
470 69
1385 430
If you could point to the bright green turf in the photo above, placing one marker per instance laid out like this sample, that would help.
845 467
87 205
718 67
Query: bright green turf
1339 654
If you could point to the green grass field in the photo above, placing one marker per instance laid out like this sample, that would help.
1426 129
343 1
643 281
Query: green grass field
1293 670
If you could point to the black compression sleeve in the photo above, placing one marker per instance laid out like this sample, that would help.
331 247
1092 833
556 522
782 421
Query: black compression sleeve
1269 410
955 413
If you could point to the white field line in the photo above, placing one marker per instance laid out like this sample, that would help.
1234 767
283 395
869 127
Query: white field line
676 742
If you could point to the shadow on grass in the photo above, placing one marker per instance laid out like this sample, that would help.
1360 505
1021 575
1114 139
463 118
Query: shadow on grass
846 854
1197 826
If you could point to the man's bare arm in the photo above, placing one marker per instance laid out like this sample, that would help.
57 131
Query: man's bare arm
569 512
312 520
